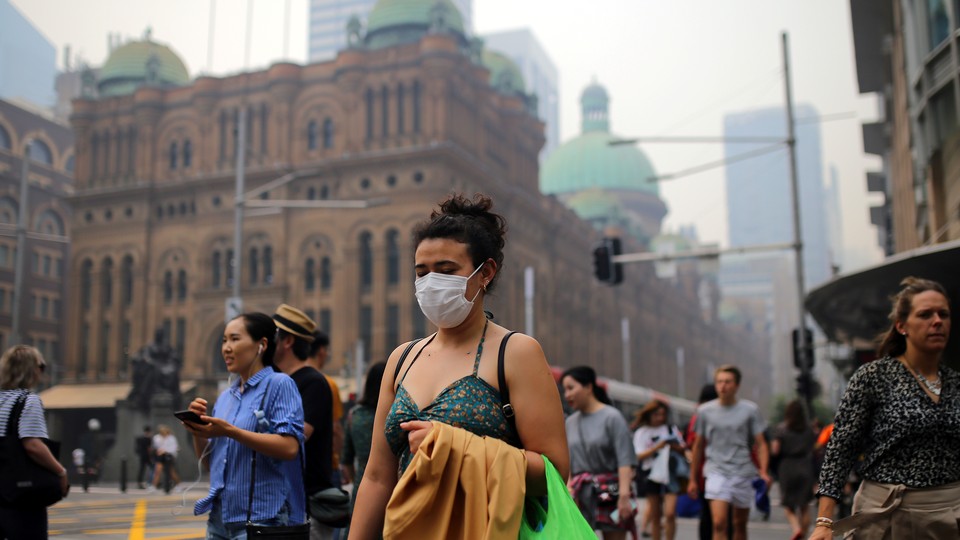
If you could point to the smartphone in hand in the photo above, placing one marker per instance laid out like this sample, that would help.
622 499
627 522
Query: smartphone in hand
190 416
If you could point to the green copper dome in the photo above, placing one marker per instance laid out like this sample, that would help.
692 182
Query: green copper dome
393 22
588 161
505 76
141 62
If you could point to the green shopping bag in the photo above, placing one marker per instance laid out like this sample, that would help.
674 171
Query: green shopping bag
561 519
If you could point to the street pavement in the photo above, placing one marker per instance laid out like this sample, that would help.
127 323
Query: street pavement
106 513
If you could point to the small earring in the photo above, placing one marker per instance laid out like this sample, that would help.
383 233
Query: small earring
903 334
484 286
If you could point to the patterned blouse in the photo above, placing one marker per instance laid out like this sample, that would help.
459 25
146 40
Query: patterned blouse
904 437
470 403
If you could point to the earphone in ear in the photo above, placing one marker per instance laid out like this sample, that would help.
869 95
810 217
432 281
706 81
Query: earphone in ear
259 349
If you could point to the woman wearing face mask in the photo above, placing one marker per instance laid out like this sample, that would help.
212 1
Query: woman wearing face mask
451 376
260 412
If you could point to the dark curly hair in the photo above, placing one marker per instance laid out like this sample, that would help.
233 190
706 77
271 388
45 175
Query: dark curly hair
471 223
892 342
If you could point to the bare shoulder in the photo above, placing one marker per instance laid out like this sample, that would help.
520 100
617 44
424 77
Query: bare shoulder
523 355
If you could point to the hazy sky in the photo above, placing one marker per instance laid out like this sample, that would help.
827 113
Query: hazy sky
671 68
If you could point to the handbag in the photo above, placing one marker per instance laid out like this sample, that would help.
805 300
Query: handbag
23 482
330 506
561 519
285 532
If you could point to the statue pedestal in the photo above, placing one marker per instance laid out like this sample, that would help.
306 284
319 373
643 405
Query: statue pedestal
130 423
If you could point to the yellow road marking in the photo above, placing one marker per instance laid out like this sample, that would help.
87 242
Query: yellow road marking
137 528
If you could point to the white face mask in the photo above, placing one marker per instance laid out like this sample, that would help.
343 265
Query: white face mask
442 298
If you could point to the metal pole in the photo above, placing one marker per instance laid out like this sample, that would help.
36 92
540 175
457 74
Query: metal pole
21 255
797 231
238 211
358 362
681 365
625 339
528 284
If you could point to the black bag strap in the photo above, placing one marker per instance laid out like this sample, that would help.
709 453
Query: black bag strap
253 458
13 421
505 404
406 352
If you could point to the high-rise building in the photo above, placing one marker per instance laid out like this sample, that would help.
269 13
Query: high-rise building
759 204
28 61
327 32
540 74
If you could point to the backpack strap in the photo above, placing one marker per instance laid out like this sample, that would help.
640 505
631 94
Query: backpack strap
505 404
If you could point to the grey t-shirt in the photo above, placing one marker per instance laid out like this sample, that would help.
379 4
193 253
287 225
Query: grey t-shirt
729 433
605 445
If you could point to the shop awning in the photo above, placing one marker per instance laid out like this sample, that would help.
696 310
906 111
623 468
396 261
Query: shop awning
855 306
91 396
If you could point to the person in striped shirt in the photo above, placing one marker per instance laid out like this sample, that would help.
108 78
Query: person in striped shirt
21 368
259 412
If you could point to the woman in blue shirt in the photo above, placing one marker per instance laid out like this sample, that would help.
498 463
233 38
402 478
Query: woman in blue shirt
259 412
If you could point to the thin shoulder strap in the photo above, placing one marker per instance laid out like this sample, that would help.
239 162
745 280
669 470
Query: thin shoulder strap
505 404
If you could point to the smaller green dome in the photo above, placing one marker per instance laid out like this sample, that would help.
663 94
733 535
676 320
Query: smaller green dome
505 76
393 22
139 62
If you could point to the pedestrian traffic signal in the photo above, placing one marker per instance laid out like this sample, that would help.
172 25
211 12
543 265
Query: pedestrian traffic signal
807 387
803 352
605 270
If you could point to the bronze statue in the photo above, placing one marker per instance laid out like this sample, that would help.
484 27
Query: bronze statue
156 370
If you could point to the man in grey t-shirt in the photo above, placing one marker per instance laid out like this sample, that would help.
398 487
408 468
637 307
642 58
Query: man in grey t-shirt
726 429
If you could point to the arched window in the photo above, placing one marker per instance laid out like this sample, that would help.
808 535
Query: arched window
254 265
131 149
328 133
126 279
311 193
229 267
215 268
393 257
49 222
4 139
370 99
263 128
105 142
223 135
107 282
309 275
326 274
94 148
8 211
86 283
187 154
168 286
267 265
400 126
40 152
366 260
312 135
385 110
173 155
118 155
182 285
416 107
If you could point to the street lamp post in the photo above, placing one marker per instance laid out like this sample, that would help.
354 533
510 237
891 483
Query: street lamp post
20 258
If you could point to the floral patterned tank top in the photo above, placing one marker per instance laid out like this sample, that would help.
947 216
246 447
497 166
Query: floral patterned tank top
470 403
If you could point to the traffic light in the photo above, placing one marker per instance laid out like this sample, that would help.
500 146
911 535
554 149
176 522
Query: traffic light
807 387
803 350
605 270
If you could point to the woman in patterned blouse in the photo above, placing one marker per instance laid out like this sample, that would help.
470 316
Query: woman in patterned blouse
901 413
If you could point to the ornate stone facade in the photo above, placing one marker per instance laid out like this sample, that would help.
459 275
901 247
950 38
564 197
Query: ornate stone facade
154 209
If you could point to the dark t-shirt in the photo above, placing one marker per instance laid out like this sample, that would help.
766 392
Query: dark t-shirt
143 444
318 412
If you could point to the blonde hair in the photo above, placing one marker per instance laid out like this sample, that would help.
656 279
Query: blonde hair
18 367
